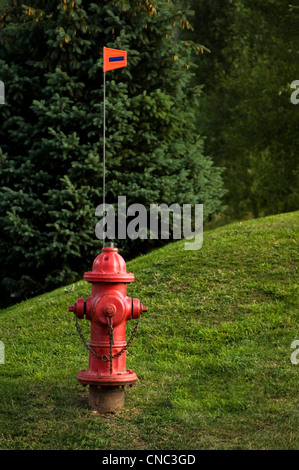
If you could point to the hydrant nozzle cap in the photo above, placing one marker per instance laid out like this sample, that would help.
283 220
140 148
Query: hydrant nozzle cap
109 266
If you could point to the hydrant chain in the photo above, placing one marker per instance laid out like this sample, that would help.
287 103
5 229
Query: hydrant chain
111 330
111 342
104 357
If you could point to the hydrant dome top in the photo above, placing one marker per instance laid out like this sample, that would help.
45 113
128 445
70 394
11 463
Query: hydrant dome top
109 266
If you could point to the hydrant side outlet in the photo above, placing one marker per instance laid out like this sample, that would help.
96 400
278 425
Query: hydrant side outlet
108 309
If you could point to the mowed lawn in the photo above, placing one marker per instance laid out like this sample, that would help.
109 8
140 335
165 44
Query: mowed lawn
212 354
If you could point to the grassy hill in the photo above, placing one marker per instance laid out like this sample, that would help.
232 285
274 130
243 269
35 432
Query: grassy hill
212 354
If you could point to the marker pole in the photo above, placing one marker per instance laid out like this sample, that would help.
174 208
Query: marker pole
104 150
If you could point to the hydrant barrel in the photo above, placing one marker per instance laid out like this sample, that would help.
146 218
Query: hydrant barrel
108 309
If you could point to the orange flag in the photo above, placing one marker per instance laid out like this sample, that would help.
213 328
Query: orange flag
114 59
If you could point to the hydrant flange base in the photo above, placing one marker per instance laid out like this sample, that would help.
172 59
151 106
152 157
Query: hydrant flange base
124 378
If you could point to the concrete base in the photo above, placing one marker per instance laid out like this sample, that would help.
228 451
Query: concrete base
106 399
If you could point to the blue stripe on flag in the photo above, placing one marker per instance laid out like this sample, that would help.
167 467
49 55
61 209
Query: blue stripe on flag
116 59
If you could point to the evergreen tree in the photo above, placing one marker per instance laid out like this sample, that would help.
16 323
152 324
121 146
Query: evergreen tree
51 130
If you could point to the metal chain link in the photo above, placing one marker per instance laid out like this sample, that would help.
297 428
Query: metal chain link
111 342
104 357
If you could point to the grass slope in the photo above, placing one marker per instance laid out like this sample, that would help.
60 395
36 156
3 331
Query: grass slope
212 354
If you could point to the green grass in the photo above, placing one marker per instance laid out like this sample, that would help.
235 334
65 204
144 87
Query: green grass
212 354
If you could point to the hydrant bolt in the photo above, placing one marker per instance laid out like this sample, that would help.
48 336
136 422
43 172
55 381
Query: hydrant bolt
110 310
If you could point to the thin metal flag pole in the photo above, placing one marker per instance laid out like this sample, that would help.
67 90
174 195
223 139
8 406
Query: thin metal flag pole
104 150
112 59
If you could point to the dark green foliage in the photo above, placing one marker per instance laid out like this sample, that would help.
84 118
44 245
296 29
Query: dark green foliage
51 130
247 115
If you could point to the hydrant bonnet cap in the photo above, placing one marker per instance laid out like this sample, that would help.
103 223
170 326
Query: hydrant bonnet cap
109 266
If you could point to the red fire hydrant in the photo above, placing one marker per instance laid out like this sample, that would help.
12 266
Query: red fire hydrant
108 309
